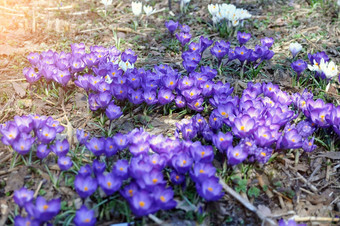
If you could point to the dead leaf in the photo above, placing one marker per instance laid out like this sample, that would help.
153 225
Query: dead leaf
331 155
16 180
183 205
264 210
20 90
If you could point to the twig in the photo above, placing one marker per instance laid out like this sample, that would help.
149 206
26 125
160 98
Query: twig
8 9
246 204
6 158
304 180
262 184
155 219
3 172
38 188
318 167
328 169
13 80
50 102
323 219
304 190
59 8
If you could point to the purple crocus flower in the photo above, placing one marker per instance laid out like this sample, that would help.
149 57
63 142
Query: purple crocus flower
189 132
219 51
33 58
109 183
189 66
184 28
77 65
141 203
82 136
30 75
62 77
243 126
181 162
210 189
289 223
305 128
183 38
54 124
84 216
236 154
165 96
43 151
85 170
98 167
121 141
90 60
191 56
176 177
308 145
200 153
180 101
242 53
24 123
150 97
129 55
262 155
202 171
264 136
266 41
164 198
113 111
110 147
129 191
83 82
96 146
222 141
24 221
61 148
120 169
150 180
135 96
140 148
194 47
85 185
64 163
243 37
22 196
196 105
9 133
23 144
43 210
205 43
103 99
290 140
299 66
171 26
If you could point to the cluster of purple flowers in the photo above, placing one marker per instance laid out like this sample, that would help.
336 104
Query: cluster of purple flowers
317 112
260 120
41 131
257 55
38 212
147 190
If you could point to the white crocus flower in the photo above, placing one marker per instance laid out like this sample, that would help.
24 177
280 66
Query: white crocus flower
316 67
295 48
330 69
125 65
148 10
136 8
213 9
106 3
